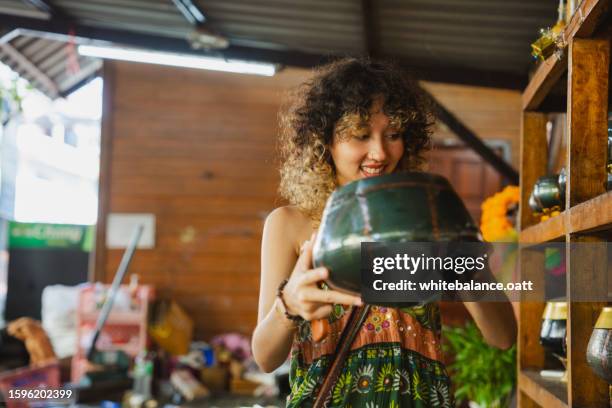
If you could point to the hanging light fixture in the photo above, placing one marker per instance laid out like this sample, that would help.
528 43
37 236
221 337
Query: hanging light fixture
177 60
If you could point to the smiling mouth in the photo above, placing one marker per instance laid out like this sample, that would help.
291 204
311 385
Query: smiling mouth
372 171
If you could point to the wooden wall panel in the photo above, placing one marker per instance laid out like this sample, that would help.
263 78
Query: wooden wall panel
490 113
472 178
196 148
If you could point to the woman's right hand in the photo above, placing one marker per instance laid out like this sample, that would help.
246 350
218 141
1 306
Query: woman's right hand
302 295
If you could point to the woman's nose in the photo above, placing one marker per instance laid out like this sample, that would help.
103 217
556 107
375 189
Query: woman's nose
378 149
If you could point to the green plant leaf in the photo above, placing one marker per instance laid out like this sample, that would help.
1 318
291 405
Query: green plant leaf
482 373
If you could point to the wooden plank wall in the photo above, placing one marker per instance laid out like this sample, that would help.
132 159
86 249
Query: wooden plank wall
493 114
196 148
468 174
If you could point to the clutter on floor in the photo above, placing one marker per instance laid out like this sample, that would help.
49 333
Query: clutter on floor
127 349
145 355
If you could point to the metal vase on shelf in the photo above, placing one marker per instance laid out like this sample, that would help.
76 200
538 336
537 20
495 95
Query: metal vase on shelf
535 206
554 330
599 350
548 193
562 181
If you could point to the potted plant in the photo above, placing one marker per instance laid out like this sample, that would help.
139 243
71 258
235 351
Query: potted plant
483 375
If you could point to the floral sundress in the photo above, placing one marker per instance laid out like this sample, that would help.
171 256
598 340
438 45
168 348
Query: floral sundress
395 361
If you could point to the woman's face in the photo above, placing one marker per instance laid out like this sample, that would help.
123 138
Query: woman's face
361 150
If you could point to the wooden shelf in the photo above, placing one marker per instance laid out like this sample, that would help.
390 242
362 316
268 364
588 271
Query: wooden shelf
545 392
552 229
545 77
586 19
594 214
583 23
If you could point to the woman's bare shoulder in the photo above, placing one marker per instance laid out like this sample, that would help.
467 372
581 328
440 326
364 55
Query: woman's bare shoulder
289 213
290 223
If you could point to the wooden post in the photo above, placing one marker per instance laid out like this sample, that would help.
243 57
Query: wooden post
533 154
587 280
587 112
97 270
587 115
531 354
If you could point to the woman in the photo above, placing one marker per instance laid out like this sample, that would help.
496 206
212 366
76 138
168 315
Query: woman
354 119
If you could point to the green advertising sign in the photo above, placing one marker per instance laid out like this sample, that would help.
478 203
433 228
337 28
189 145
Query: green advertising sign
34 235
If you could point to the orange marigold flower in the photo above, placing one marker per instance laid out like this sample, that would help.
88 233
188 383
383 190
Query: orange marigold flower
495 225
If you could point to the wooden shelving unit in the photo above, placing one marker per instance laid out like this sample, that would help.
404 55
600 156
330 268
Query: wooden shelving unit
592 215
552 229
546 393
583 24
588 214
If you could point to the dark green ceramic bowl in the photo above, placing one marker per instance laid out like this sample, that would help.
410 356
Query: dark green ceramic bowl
399 207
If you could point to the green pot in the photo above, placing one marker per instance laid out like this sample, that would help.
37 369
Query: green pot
399 207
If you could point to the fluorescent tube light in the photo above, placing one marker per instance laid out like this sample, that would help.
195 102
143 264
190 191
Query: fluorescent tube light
177 60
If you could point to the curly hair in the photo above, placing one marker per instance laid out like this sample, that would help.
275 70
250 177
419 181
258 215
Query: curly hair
317 108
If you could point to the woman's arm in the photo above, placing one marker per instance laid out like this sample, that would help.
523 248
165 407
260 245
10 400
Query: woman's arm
273 335
496 322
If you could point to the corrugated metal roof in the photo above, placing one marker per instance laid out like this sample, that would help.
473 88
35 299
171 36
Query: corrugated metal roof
464 35
146 16
53 67
20 8
323 26
489 34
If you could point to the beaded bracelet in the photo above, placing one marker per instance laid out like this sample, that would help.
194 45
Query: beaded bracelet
279 294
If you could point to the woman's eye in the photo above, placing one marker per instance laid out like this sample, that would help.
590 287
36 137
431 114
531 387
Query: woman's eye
362 137
394 136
